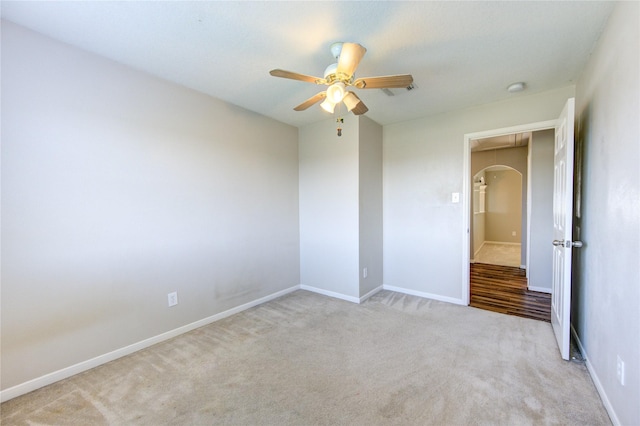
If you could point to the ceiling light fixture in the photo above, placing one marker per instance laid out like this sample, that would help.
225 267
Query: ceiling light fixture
340 75
351 101
516 87
328 106
336 92
331 69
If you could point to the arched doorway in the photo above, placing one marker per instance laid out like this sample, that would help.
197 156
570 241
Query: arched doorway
497 216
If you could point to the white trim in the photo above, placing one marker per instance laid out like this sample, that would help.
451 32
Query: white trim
504 243
475 253
330 293
371 293
540 289
466 194
341 296
596 381
425 295
529 204
466 221
66 372
522 128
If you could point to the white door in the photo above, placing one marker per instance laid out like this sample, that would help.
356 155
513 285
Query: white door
562 227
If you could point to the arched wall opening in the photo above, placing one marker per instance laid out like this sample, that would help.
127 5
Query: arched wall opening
497 217
514 160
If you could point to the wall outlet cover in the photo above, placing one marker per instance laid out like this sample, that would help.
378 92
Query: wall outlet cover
172 298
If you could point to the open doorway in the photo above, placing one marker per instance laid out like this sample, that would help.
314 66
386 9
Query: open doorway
504 183
496 235
498 225
561 131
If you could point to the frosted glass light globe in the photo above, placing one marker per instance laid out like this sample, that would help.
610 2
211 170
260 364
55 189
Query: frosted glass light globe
336 92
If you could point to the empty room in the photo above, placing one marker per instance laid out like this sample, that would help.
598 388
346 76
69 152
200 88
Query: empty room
283 213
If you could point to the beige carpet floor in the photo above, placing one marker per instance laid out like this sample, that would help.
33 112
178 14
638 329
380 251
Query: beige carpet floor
499 254
306 359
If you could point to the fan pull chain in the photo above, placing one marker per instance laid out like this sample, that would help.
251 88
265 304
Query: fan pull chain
340 121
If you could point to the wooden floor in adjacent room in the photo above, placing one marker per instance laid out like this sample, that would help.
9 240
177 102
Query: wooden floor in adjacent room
504 289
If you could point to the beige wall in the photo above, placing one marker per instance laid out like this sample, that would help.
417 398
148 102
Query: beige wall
118 188
606 295
341 207
541 210
329 208
423 164
503 206
370 169
515 158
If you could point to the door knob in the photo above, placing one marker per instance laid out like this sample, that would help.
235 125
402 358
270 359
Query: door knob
567 244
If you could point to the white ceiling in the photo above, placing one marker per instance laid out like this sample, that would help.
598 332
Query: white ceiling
460 54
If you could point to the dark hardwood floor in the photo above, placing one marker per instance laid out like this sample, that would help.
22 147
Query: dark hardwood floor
504 289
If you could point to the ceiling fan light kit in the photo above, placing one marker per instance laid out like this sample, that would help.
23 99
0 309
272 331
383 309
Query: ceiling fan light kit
341 75
336 48
328 106
335 92
351 101
330 70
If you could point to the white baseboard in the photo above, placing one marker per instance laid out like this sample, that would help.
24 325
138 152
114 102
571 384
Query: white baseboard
425 295
330 293
475 253
340 295
376 290
596 381
540 289
64 373
371 293
506 243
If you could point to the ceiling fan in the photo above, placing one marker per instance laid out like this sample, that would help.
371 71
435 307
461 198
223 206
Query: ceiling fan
341 75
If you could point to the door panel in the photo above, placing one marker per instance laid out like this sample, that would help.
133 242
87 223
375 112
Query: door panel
562 219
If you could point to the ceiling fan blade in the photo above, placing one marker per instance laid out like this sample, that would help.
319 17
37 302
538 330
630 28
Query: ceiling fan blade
296 76
360 107
386 82
312 100
350 57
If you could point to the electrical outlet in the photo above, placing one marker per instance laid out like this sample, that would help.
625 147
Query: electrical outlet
620 370
513 233
172 298
364 273
455 197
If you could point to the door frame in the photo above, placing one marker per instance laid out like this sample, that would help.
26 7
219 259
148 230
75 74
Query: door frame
466 191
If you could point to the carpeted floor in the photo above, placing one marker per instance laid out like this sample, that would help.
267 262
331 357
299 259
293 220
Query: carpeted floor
499 254
307 359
